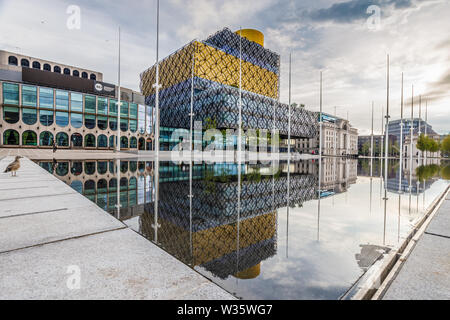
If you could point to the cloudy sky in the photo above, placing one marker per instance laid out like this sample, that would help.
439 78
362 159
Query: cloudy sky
337 37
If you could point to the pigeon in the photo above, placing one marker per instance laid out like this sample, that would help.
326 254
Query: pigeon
13 166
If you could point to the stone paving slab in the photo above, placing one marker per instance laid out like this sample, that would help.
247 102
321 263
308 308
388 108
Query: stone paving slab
113 265
17 207
425 274
440 225
35 229
49 227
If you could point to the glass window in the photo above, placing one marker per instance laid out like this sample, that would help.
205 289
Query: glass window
77 140
133 110
141 144
66 71
25 63
77 186
47 67
84 75
29 116
141 119
102 142
62 169
62 100
46 117
76 73
46 98
133 125
112 143
36 65
123 124
133 143
90 104
102 122
29 96
11 114
89 121
124 109
113 124
29 138
113 107
46 139
11 138
76 119
76 102
89 141
62 139
93 76
62 118
149 120
12 61
102 166
89 168
11 93
89 187
57 69
102 107
124 142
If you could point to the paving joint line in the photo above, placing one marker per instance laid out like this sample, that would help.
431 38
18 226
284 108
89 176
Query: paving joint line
33 213
62 240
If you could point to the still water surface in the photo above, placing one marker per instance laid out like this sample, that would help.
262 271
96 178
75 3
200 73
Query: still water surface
239 231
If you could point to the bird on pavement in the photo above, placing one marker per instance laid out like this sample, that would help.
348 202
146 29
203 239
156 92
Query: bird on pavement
13 166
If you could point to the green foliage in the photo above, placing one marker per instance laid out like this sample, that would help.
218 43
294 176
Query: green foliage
425 173
445 172
445 147
425 143
210 123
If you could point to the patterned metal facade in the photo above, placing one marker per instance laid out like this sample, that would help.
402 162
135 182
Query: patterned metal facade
211 71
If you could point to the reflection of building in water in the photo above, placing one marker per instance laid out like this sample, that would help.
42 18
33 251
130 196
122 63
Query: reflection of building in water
364 167
210 239
415 177
221 237
97 180
337 173
420 181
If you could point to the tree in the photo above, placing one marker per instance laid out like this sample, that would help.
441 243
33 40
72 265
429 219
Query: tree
445 146
365 150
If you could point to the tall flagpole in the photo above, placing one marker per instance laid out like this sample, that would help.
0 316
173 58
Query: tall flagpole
386 142
289 154
426 127
386 153
401 136
118 103
420 122
411 129
157 85
371 136
320 159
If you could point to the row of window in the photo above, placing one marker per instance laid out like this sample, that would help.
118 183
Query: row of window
46 139
94 167
63 100
13 61
47 118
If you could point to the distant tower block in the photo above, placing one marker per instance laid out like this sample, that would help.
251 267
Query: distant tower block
253 35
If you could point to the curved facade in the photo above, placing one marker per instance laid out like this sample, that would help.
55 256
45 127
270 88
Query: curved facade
33 116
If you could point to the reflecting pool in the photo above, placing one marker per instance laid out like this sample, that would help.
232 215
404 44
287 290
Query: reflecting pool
266 231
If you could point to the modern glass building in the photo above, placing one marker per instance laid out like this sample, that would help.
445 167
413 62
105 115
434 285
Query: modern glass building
205 76
40 106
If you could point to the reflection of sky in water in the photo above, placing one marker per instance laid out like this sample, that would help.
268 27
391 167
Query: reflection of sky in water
307 258
325 269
